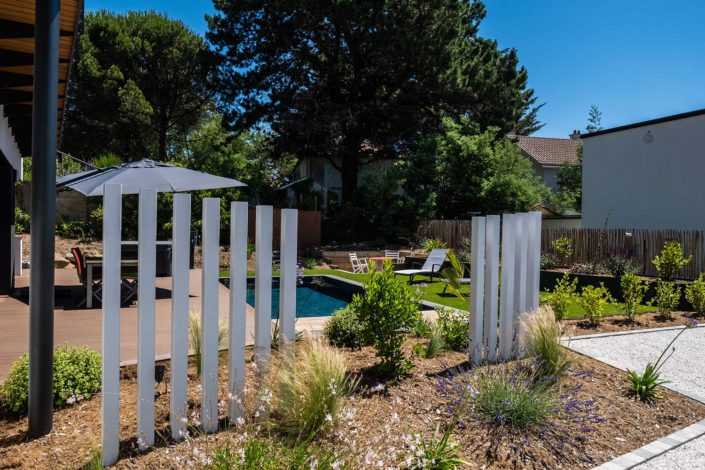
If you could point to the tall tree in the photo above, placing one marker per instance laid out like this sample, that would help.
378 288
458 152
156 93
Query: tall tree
594 119
355 81
141 84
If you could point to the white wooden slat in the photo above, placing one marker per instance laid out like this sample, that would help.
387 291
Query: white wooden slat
533 261
263 304
237 318
110 387
520 269
477 289
146 278
180 314
287 277
492 224
506 299
209 313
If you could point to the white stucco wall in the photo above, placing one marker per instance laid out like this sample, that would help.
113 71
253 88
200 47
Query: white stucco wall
658 185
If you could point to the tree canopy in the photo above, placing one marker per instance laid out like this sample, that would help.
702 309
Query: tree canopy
355 81
141 83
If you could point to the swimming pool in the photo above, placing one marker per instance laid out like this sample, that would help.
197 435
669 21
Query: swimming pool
318 296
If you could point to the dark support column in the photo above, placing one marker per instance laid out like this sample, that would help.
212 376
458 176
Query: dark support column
7 220
41 287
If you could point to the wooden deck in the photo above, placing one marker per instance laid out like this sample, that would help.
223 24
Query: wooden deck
82 327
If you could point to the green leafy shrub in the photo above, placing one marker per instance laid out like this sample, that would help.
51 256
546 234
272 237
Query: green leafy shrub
561 296
541 338
310 263
511 397
594 300
666 299
550 261
250 248
643 386
422 328
670 261
344 330
22 221
695 294
588 268
387 308
453 326
618 266
563 247
311 389
109 159
76 376
194 337
432 243
633 291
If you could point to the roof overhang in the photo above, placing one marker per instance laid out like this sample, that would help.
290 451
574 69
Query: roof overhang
17 18
674 117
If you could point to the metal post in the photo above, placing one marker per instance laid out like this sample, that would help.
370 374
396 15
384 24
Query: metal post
41 293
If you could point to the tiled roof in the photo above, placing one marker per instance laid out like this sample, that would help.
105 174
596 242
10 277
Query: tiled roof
549 151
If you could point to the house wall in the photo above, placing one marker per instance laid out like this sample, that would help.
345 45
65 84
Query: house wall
656 185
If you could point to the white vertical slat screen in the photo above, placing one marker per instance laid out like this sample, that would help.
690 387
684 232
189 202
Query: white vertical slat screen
534 260
146 278
238 306
263 300
287 277
209 314
492 224
506 291
477 289
180 314
110 392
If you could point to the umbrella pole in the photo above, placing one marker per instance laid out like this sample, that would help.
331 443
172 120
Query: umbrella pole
41 287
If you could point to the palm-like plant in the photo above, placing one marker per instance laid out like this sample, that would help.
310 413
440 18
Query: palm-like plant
453 274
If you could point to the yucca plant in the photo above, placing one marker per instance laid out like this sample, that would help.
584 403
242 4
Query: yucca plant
440 453
194 336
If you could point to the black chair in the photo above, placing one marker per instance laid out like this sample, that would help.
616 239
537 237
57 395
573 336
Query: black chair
97 279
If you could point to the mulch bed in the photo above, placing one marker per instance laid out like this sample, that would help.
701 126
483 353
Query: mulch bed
598 422
616 323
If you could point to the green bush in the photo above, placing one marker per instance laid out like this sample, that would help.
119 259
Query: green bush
432 243
619 266
594 300
563 247
387 308
511 397
550 261
541 338
310 263
667 297
588 268
344 330
633 290
422 328
22 221
453 326
433 347
76 376
563 293
311 390
670 261
695 294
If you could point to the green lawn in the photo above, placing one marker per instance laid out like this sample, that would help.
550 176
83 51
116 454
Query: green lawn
433 292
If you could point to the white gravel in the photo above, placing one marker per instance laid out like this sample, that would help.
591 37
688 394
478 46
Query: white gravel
685 369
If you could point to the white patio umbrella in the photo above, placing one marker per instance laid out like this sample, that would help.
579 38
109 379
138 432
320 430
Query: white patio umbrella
144 174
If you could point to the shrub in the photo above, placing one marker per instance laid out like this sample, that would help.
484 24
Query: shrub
670 261
633 290
76 376
618 266
386 309
343 329
453 274
310 263
439 453
511 397
563 247
453 326
434 346
250 248
432 243
22 221
549 261
541 338
588 268
594 300
194 336
422 328
643 386
695 294
562 294
311 390
667 297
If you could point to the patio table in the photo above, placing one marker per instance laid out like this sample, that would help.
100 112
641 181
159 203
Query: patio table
96 261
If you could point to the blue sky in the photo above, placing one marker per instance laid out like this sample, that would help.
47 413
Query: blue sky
634 59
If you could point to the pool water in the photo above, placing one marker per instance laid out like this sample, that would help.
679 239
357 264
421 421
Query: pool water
309 302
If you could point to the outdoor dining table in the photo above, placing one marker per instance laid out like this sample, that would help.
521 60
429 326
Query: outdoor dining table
91 263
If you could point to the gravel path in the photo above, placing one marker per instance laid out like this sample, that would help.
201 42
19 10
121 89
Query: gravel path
685 369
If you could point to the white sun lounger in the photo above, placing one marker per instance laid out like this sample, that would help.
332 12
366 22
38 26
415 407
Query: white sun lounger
431 266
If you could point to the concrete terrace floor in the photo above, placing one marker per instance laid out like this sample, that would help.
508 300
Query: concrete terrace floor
82 327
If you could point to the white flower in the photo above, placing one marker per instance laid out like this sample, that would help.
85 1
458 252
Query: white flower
377 388
329 418
71 400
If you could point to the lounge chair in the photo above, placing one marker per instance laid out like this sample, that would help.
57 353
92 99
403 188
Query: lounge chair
394 256
431 266
80 263
359 265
